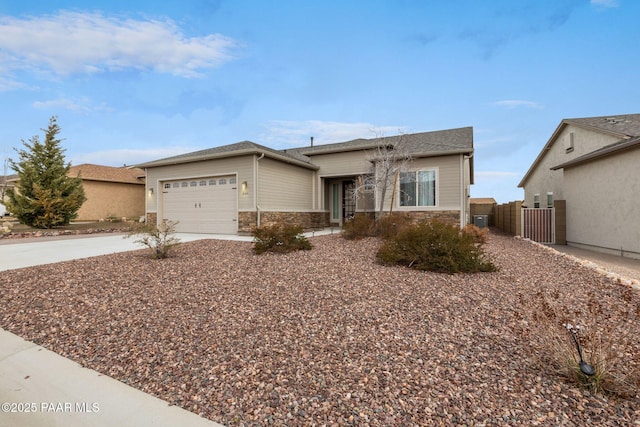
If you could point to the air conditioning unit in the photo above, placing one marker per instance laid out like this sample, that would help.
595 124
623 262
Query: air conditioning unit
481 221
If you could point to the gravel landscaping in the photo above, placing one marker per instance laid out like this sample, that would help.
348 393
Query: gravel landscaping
327 336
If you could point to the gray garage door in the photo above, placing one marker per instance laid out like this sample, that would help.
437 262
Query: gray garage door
203 205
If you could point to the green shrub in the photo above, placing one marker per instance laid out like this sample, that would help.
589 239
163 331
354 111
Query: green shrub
279 238
358 227
434 246
390 225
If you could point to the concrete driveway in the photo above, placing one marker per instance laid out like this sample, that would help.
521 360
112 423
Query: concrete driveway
20 253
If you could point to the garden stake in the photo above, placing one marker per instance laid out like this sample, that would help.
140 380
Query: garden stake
585 368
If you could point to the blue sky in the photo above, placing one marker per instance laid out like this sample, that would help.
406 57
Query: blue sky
133 81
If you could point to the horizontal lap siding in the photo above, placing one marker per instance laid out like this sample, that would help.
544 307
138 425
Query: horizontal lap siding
284 187
342 164
448 185
243 166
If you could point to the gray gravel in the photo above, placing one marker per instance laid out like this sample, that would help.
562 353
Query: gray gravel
327 336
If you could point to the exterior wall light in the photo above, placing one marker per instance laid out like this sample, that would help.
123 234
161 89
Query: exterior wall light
244 187
151 192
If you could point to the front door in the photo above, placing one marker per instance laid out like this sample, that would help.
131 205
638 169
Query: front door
348 200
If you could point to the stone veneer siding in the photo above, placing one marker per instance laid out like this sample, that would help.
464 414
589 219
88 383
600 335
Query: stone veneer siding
308 220
152 218
448 217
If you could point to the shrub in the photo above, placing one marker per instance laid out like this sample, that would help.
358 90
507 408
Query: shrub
358 227
279 238
159 239
390 225
434 246
361 226
479 234
554 349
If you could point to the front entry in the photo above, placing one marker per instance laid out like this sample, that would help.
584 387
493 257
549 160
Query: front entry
348 200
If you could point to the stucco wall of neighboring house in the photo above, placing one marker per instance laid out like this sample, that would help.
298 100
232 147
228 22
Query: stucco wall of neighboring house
543 180
285 187
243 166
105 199
603 204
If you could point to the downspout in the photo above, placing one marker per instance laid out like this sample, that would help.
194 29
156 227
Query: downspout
463 204
257 188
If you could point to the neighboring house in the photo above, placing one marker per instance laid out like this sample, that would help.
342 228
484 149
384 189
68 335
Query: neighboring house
234 188
592 163
111 192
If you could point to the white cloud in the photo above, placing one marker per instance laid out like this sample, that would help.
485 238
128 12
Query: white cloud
605 3
129 157
282 132
515 103
72 42
82 105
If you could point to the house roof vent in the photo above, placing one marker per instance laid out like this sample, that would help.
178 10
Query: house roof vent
614 120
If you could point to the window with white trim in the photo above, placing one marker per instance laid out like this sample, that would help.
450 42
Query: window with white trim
536 200
550 199
418 188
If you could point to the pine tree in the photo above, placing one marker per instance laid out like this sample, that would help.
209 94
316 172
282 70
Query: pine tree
45 196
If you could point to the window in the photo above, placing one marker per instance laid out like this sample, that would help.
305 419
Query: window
335 205
184 184
203 183
212 182
222 181
232 180
194 184
418 188
536 200
167 185
176 185
550 200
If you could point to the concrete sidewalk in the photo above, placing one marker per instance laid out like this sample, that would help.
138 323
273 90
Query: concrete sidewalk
40 388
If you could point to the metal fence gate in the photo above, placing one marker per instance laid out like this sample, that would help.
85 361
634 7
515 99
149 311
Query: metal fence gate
539 225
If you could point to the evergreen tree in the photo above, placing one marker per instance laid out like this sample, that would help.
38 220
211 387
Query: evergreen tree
45 196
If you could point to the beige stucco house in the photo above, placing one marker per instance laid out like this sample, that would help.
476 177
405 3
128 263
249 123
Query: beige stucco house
110 191
592 163
234 188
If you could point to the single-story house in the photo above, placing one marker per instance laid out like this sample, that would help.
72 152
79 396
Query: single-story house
592 163
111 192
233 188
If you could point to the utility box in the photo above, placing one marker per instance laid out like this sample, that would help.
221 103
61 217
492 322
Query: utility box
481 221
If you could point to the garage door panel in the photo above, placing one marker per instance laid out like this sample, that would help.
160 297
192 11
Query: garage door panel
202 208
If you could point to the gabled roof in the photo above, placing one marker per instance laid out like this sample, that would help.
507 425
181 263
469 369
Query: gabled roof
91 172
232 150
624 126
615 148
424 144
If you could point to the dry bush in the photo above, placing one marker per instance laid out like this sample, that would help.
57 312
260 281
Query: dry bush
358 227
554 349
390 225
279 238
434 246
159 239
480 235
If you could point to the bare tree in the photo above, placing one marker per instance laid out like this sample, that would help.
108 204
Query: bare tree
389 158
